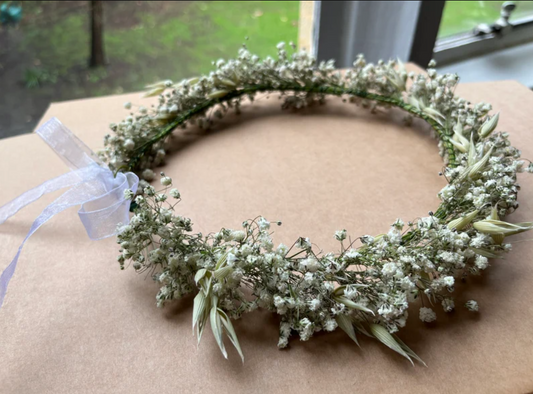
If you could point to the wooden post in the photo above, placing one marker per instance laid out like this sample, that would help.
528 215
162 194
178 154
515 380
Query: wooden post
97 35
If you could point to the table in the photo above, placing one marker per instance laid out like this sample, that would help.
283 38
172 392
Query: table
72 322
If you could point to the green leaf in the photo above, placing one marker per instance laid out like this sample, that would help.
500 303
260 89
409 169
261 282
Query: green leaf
202 324
154 92
199 275
346 324
339 290
496 227
199 313
472 154
230 331
292 293
382 335
477 167
487 253
221 273
352 305
217 94
217 330
199 308
222 260
362 329
408 350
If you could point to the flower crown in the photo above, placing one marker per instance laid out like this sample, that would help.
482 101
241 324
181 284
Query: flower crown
363 289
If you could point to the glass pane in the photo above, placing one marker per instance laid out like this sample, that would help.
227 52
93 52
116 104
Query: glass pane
45 47
463 16
524 9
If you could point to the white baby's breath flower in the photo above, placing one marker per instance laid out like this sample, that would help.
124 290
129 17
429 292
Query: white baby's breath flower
479 241
174 193
129 144
340 235
263 223
282 249
230 259
481 262
472 306
389 269
310 264
448 281
306 329
149 191
350 292
283 342
128 194
166 181
314 304
148 175
427 315
448 305
330 325
407 283
351 255
303 243
238 235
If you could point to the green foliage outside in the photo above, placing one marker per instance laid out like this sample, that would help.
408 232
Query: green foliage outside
463 16
165 40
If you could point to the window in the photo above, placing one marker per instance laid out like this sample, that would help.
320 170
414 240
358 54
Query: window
480 40
474 28
463 16
45 47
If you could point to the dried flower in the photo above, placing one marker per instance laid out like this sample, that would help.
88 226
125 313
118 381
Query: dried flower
472 306
365 289
427 315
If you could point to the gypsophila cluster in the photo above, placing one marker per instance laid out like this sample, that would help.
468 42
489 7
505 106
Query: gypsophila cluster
366 287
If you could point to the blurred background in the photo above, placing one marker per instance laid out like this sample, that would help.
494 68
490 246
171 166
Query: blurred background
54 51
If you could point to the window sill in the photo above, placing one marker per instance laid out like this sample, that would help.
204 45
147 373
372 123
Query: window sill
512 63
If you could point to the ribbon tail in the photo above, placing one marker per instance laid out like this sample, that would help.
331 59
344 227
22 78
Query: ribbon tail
100 194
48 213
68 179
7 275
77 195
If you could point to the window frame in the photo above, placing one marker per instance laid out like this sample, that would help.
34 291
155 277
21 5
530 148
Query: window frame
468 45
335 22
379 29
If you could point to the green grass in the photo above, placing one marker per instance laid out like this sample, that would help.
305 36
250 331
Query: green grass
463 16
168 40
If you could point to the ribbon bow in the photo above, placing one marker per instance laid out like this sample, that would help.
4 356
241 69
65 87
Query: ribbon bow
91 184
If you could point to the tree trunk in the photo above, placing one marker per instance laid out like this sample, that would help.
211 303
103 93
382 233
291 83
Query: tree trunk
97 34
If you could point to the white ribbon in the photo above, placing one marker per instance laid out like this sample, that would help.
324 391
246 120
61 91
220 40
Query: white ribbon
92 185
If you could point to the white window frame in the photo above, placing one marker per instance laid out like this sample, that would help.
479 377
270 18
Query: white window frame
402 29
380 29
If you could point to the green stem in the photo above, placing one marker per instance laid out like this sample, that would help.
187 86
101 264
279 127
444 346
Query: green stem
322 89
